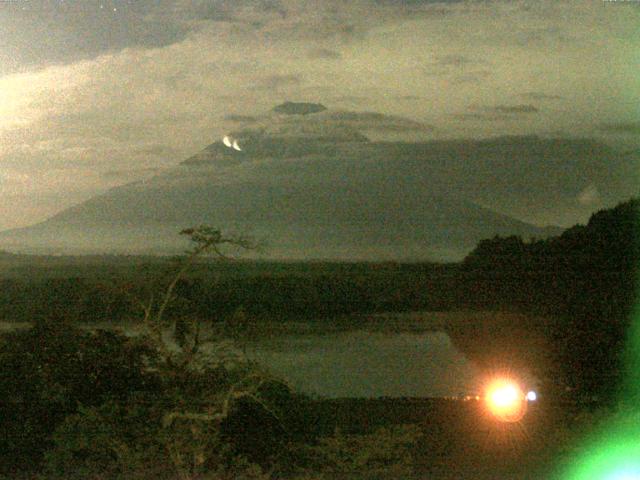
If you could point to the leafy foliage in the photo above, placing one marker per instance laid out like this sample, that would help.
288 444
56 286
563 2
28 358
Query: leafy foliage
189 427
50 370
586 279
385 453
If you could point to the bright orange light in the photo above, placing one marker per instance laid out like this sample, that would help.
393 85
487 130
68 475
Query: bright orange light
506 400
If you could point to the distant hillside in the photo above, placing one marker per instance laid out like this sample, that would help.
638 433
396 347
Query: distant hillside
585 280
608 242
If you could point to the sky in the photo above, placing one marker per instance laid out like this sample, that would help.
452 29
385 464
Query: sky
94 94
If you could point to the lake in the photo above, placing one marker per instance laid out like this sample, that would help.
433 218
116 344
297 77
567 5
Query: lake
368 364
394 355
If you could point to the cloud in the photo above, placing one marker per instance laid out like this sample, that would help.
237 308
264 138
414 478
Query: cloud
175 78
454 60
517 109
324 54
354 99
590 196
9 178
540 96
329 123
632 128
68 32
496 112
473 78
242 118
433 7
491 117
457 68
366 121
277 81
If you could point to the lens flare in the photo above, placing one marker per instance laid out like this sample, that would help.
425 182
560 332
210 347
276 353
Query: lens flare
532 396
506 400
612 454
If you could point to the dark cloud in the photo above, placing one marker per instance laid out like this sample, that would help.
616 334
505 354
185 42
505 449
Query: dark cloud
491 117
216 14
621 127
227 10
495 113
324 123
487 110
279 80
539 96
299 108
355 99
454 61
415 2
272 6
515 109
541 36
40 33
408 98
470 78
324 54
433 7
459 68
241 118
378 121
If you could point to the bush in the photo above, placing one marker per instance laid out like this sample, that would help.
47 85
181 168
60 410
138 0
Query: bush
386 452
52 369
109 441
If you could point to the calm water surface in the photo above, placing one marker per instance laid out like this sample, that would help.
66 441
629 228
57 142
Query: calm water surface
360 363
368 364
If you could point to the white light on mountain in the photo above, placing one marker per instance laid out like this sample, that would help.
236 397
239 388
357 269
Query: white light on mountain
236 146
227 141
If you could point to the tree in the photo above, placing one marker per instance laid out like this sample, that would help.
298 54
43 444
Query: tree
186 333
207 386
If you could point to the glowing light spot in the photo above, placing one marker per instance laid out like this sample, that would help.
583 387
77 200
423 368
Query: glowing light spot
505 400
624 475
613 454
505 396
532 396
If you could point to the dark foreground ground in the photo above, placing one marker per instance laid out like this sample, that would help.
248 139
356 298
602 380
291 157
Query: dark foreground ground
460 439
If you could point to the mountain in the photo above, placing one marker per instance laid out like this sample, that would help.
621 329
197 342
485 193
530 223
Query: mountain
312 186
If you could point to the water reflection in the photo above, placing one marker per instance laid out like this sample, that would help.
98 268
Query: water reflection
368 364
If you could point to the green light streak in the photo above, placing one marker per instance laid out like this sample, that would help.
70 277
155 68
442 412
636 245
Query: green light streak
615 455
614 452
632 377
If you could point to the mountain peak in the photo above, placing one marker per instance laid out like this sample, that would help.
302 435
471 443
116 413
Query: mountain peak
299 108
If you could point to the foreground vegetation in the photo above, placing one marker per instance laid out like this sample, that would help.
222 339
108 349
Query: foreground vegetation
80 404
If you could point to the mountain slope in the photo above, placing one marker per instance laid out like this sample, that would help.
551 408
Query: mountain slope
313 186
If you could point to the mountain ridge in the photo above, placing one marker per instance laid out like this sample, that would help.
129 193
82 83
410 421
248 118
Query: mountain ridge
319 188
351 214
